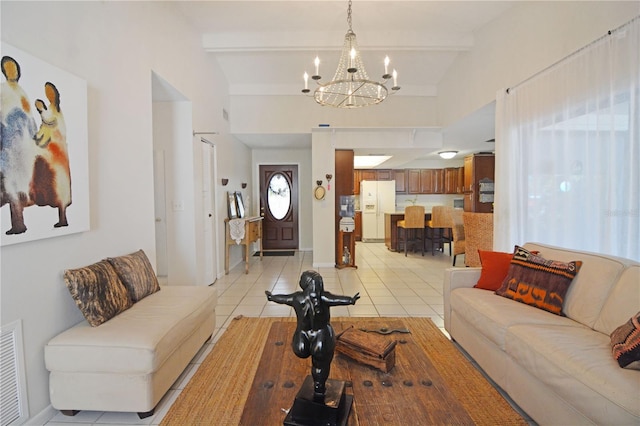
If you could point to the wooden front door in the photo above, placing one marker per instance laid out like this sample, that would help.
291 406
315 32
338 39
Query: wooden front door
279 206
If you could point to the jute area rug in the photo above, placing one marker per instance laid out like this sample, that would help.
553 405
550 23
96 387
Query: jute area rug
217 393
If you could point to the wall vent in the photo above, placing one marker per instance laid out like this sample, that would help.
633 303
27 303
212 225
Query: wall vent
13 396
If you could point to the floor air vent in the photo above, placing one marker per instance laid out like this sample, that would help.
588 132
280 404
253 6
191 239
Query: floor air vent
13 395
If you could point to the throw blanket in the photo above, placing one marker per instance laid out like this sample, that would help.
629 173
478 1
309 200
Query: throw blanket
236 230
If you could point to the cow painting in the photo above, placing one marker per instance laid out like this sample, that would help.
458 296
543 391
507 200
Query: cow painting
51 183
18 148
34 163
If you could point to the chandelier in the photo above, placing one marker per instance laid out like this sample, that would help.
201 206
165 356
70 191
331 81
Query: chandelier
351 86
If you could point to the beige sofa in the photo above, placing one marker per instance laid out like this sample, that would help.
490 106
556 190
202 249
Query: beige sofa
558 369
128 362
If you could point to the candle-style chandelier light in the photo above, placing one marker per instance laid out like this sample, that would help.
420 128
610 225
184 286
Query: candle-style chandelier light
351 86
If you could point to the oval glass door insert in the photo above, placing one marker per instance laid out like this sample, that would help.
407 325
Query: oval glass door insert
279 196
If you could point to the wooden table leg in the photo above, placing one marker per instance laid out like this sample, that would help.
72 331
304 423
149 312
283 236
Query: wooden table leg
226 260
246 257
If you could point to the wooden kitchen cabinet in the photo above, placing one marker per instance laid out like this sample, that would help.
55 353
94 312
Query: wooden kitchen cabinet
432 181
425 181
460 187
413 181
368 175
477 168
453 180
400 176
356 182
384 174
341 185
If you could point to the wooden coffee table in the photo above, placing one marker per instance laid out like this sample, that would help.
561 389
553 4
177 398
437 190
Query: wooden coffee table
414 392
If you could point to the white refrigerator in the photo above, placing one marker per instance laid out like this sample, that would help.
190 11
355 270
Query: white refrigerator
376 199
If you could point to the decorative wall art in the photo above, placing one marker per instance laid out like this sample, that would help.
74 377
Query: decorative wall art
239 204
44 169
232 210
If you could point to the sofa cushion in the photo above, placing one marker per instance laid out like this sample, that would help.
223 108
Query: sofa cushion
623 301
576 363
495 266
625 342
591 287
136 273
492 315
537 281
138 340
97 291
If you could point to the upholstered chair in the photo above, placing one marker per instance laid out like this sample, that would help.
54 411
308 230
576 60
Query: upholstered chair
478 231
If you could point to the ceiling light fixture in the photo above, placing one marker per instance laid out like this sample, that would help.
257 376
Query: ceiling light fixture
447 155
351 86
368 161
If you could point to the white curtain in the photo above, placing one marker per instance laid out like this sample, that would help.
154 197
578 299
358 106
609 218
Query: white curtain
568 152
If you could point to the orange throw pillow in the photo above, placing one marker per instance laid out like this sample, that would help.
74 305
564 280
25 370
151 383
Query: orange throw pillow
495 267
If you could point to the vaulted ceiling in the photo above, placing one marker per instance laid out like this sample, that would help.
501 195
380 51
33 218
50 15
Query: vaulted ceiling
264 47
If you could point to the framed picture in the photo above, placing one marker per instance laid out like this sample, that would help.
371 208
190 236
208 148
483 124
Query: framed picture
232 210
239 204
45 155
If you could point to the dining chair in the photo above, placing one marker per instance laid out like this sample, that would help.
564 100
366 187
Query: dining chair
478 231
438 228
411 226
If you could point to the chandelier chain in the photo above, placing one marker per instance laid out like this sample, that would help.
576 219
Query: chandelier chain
349 16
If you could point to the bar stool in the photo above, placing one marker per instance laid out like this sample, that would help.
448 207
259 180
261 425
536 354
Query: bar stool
439 228
413 221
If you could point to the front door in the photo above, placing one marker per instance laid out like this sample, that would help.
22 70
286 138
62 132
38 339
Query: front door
279 206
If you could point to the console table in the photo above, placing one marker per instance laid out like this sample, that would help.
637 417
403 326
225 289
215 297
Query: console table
252 233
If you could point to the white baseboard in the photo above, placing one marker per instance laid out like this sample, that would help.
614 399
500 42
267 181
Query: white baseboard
42 417
324 265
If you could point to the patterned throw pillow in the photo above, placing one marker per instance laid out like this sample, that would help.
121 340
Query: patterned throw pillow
537 281
97 291
136 274
625 343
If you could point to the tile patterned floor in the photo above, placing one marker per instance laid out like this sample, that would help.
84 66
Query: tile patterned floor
390 284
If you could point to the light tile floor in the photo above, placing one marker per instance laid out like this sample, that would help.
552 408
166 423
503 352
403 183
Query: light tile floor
389 284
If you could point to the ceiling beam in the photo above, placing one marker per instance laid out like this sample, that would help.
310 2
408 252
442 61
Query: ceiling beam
287 41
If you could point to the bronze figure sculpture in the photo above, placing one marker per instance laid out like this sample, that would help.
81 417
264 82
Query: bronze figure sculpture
314 335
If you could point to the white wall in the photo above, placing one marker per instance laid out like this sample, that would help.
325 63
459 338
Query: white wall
172 134
306 183
300 114
114 46
525 40
324 162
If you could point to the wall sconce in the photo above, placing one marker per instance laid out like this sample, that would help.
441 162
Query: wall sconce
244 185
225 181
328 176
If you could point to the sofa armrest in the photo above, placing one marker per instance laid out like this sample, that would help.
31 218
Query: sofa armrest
456 278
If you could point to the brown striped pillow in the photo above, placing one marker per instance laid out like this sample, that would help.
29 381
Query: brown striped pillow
625 343
136 274
537 281
97 291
